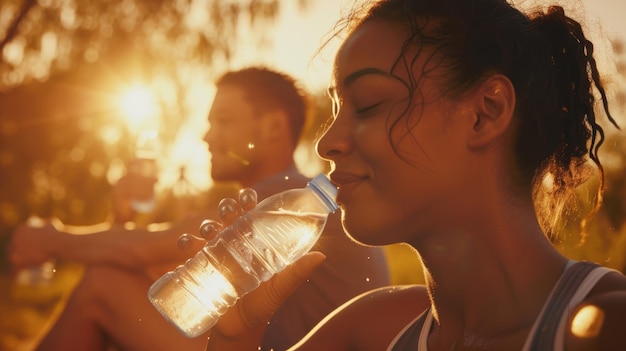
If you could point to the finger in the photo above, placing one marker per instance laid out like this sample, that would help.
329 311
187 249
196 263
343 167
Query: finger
55 224
254 310
35 222
266 300
133 167
209 229
185 241
229 210
247 198
16 260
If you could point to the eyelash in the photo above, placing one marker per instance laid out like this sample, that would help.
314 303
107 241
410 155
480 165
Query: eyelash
335 105
370 108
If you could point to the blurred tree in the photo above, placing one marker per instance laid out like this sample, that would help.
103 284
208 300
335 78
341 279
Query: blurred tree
37 37
63 64
605 237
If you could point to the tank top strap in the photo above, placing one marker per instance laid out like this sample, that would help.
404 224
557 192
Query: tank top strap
546 327
572 287
409 337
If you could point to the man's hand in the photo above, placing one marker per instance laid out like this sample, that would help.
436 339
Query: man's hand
32 243
136 185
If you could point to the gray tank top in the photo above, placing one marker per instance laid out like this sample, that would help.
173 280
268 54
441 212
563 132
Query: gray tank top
547 332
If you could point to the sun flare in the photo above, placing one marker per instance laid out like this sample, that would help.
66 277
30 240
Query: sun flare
138 105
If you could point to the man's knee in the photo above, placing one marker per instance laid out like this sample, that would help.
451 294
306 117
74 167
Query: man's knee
100 284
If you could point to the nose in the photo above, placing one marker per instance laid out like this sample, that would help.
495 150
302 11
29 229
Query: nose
207 136
335 141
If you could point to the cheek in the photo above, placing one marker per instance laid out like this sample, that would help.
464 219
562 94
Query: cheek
241 140
416 136
380 220
387 204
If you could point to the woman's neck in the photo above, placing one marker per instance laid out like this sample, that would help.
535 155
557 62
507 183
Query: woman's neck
489 280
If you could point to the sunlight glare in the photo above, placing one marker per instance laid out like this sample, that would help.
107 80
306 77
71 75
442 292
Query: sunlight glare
588 322
138 105
190 152
110 134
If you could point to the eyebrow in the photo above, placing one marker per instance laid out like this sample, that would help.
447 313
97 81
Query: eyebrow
351 78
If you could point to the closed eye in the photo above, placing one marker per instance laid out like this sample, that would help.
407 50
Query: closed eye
368 109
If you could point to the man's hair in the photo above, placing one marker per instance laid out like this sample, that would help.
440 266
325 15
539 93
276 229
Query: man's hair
267 90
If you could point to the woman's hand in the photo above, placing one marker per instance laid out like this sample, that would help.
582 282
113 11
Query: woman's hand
243 325
229 210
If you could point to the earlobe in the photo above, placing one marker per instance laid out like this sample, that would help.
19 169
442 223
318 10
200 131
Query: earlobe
274 124
494 103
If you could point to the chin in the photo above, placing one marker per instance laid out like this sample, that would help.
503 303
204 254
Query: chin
225 172
221 177
363 232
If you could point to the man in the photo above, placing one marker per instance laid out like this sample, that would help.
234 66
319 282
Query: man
256 120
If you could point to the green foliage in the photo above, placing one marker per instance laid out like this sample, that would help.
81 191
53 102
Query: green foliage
51 34
62 67
27 309
62 64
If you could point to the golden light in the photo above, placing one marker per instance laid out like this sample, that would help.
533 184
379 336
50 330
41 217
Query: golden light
188 151
138 106
588 322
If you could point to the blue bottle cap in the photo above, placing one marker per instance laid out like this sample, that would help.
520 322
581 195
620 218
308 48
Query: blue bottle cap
322 185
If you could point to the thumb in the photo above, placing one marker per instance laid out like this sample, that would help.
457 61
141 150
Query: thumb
287 281
256 308
272 294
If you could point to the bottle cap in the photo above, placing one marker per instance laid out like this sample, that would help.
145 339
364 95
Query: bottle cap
326 189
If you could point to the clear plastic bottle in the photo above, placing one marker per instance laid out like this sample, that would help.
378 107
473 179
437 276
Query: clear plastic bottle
147 152
260 243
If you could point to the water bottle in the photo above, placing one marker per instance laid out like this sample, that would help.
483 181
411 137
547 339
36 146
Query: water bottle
260 243
147 151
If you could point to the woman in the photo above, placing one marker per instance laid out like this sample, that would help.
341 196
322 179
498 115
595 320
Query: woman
452 121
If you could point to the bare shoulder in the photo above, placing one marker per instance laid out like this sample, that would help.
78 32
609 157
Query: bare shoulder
370 320
598 323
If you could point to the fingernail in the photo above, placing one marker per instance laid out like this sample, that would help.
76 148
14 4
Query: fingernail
227 206
247 197
184 241
209 228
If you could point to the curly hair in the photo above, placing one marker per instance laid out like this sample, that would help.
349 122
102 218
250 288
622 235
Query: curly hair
550 63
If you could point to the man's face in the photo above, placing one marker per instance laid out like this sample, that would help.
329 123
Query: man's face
232 135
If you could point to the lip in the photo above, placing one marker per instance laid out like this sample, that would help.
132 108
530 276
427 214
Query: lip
216 154
347 183
216 151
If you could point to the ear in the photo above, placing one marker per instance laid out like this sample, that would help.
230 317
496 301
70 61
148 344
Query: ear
494 106
274 125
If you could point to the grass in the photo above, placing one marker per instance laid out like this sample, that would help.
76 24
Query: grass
27 309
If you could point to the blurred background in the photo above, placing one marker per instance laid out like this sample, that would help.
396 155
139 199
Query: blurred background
81 80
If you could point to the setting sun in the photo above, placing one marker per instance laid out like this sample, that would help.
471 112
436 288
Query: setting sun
138 105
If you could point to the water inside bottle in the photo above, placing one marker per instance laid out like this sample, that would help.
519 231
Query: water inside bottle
245 255
188 304
279 237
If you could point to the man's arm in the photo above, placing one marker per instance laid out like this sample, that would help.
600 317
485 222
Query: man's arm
101 244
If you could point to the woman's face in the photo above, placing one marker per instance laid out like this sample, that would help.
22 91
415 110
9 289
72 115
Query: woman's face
390 196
